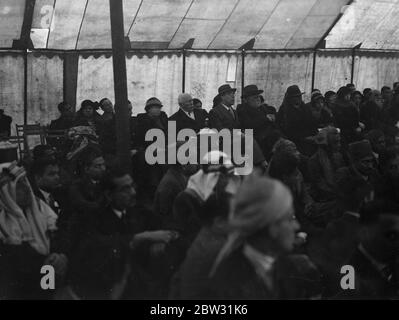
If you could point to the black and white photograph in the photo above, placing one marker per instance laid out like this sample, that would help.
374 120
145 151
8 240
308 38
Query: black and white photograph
197 155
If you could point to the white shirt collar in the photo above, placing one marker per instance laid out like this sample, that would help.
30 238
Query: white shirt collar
354 214
190 115
227 108
46 195
119 213
262 263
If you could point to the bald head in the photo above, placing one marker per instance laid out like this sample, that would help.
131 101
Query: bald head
186 102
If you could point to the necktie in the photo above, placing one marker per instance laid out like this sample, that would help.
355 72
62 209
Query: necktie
232 113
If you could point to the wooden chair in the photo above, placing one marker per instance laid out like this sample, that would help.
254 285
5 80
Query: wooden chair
23 132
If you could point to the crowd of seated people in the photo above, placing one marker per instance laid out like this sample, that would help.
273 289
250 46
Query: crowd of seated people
324 193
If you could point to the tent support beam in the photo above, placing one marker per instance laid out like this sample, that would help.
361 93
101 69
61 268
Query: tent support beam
24 43
354 49
71 62
25 87
184 54
314 68
321 44
120 83
242 72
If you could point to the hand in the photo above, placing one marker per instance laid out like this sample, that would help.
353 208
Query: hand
358 130
59 261
153 236
361 125
162 236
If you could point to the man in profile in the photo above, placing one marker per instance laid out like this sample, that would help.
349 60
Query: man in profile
223 115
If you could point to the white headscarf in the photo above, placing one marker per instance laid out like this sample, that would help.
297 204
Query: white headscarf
259 202
15 225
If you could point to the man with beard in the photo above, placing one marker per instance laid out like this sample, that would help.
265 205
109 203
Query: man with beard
362 166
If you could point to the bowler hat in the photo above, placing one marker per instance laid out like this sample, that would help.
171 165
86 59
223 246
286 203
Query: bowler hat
225 88
293 91
251 90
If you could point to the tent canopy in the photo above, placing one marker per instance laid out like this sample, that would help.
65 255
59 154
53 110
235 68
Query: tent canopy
223 24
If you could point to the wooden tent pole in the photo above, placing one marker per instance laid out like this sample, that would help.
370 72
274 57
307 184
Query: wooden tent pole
184 71
120 83
314 68
242 72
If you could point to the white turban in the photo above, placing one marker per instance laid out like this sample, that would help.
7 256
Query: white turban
259 202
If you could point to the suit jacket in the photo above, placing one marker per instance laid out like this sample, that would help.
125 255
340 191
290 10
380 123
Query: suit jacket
59 195
5 125
185 122
220 118
256 119
370 284
192 280
146 123
172 183
236 279
85 195
295 123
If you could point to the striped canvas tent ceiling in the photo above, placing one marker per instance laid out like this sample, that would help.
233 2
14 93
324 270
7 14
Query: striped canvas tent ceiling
222 24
